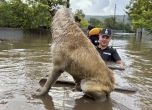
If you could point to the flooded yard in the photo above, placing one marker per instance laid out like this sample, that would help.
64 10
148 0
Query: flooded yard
23 61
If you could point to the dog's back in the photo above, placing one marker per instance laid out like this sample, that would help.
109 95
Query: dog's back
74 53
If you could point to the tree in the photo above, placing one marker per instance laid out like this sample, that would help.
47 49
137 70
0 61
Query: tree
29 14
96 22
109 23
140 13
117 25
2 1
81 15
15 13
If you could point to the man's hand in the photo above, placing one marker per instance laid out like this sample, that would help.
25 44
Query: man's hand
121 64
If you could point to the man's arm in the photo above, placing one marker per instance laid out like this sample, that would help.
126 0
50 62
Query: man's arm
118 59
121 63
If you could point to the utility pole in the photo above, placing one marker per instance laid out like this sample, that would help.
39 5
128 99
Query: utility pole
114 17
123 23
68 4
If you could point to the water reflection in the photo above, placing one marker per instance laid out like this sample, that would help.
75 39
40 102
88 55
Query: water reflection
86 104
48 103
64 98
139 68
26 60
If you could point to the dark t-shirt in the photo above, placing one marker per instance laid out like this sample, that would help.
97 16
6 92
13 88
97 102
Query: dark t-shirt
109 54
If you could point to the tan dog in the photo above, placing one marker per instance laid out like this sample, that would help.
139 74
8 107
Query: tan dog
74 53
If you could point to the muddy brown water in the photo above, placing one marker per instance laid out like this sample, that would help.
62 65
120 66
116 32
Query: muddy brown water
25 60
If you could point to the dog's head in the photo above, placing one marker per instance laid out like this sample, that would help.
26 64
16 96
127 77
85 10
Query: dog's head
64 10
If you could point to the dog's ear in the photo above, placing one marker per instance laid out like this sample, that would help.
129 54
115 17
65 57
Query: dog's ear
54 9
77 19
52 12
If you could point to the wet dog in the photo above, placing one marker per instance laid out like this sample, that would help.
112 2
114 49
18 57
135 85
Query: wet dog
74 53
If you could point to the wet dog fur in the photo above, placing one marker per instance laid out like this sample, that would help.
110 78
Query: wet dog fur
74 53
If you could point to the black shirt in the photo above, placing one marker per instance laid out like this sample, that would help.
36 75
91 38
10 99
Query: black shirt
109 54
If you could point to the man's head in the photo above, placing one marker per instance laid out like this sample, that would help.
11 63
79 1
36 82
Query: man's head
105 37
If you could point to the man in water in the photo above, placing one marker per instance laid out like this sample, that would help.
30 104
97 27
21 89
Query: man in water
108 54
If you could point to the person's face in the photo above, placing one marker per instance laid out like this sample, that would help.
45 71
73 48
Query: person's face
104 40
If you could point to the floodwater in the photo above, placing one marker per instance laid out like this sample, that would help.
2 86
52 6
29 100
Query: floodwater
23 61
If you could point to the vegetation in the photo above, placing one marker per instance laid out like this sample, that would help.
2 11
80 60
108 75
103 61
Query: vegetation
111 23
140 12
81 15
96 22
15 13
33 14
29 15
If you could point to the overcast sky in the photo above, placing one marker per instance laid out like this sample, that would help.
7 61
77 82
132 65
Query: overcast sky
99 7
